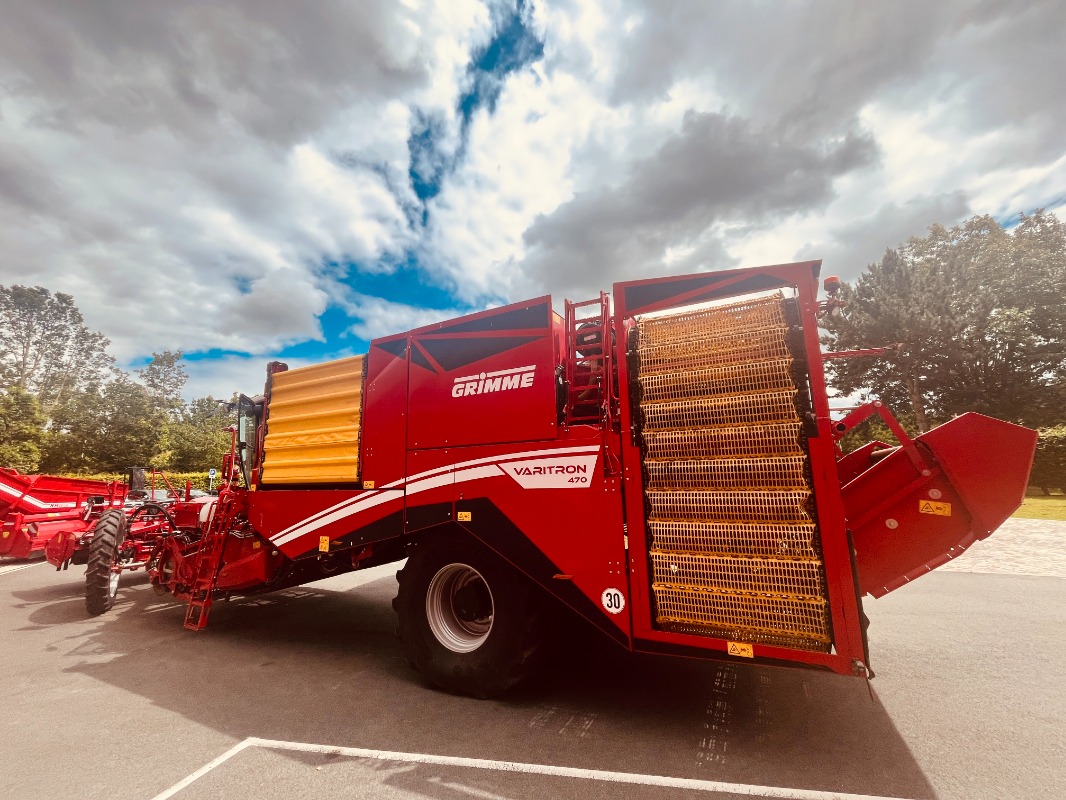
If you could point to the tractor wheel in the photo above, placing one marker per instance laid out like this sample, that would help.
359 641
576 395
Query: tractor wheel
101 582
468 621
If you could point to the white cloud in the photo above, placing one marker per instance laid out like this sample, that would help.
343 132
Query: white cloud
187 174
379 317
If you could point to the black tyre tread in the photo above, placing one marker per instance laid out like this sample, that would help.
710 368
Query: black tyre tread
521 655
108 535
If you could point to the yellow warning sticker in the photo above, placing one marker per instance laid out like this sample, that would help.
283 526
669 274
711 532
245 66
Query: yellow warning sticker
368 484
932 507
741 649
255 545
323 544
6 534
464 516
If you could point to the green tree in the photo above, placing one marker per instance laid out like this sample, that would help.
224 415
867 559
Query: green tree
978 313
197 438
165 377
21 430
105 429
45 346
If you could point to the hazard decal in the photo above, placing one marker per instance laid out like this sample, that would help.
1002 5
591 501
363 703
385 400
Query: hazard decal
741 649
932 507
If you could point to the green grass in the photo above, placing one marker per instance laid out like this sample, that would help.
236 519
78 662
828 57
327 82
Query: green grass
1037 506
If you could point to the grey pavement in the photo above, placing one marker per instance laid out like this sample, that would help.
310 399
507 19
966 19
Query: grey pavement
967 704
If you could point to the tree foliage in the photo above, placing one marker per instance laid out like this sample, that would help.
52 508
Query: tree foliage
1049 465
65 408
979 316
197 436
45 346
165 377
21 430
107 429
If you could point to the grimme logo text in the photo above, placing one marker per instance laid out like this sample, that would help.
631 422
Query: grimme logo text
568 469
500 381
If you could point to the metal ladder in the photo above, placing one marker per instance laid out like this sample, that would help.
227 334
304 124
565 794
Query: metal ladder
589 382
205 571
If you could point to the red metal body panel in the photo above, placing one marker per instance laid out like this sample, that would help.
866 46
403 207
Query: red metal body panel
485 378
988 462
643 297
246 563
34 508
295 520
908 519
384 424
547 507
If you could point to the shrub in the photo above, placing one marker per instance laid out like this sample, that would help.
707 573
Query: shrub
1049 464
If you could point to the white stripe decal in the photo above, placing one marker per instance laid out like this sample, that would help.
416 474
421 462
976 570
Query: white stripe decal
604 776
424 485
594 448
339 514
33 501
308 524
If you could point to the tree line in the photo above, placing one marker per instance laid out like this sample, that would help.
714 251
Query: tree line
65 407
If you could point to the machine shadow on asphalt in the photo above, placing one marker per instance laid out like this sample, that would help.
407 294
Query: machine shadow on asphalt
313 664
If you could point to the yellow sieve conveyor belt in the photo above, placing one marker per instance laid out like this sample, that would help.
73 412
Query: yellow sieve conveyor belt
734 546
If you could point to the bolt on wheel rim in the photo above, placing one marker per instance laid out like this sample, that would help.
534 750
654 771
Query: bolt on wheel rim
446 619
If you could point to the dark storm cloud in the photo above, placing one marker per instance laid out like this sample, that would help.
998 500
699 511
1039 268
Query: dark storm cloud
272 68
815 65
716 169
25 183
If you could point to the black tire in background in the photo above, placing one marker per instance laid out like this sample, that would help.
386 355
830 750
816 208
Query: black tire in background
101 584
467 620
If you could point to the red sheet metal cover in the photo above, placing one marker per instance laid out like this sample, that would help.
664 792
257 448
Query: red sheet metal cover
988 463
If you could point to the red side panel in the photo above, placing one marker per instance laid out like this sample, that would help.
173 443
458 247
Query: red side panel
384 424
485 378
296 520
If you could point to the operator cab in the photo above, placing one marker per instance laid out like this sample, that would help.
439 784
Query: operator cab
249 418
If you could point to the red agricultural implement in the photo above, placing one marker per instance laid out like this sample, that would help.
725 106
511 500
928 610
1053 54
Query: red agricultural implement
110 541
665 467
34 508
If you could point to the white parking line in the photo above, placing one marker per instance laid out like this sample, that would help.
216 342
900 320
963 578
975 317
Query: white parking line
17 567
742 789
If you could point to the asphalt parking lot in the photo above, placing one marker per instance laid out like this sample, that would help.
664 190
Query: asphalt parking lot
305 694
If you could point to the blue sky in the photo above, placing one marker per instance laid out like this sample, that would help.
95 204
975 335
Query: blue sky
253 181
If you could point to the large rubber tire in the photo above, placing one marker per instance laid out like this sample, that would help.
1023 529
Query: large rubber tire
101 583
468 621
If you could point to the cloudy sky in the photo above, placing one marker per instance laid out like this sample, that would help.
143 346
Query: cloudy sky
259 179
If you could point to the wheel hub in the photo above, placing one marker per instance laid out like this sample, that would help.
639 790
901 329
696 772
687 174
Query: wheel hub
459 608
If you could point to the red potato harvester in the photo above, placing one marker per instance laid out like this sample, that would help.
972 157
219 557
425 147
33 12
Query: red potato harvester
664 465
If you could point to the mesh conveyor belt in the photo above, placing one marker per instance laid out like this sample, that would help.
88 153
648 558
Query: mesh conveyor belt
734 547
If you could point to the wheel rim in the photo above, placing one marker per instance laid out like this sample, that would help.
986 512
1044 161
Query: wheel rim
112 584
459 608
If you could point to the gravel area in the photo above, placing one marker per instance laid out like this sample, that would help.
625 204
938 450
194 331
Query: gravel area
1019 547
